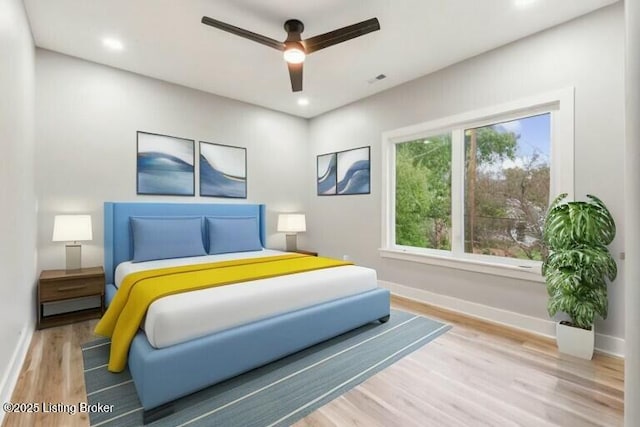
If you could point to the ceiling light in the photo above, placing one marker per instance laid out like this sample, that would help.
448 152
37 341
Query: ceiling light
303 101
113 44
294 53
524 3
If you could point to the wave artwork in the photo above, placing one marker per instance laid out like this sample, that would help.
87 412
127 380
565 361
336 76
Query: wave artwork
223 171
353 171
216 183
356 179
165 165
327 172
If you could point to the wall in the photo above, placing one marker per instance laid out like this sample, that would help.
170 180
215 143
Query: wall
87 118
586 53
17 197
632 210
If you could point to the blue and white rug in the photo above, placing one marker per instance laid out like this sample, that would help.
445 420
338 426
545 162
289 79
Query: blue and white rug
278 394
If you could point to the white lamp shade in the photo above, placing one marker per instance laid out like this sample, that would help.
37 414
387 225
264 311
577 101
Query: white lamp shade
71 228
291 223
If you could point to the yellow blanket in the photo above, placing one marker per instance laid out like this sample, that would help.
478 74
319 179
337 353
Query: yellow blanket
138 290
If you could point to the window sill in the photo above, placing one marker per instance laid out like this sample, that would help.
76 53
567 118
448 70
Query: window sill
530 273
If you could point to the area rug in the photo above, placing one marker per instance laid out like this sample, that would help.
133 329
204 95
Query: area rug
278 394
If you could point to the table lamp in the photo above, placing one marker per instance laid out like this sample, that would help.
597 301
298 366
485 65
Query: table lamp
72 229
291 224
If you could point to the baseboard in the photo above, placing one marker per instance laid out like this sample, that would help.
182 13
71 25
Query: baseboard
10 376
610 344
547 328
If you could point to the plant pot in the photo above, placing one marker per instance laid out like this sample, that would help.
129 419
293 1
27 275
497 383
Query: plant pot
575 341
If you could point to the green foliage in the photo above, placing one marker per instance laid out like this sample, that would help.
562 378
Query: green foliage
515 199
578 262
493 145
504 212
423 193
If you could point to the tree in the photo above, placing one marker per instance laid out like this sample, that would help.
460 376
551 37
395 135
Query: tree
503 207
423 193
509 204
483 146
528 191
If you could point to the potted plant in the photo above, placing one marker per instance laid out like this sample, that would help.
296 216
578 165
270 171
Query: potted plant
575 268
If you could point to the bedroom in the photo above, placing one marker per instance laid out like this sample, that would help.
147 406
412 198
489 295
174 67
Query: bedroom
72 147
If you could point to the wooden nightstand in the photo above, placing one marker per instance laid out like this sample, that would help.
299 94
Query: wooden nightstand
70 296
302 251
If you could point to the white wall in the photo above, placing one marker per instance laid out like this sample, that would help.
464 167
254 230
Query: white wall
87 118
632 210
586 53
17 197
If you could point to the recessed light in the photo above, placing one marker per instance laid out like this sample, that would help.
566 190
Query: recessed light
113 44
303 101
524 3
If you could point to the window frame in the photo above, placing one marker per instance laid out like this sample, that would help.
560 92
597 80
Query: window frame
560 104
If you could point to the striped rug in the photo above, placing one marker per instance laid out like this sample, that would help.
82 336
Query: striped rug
277 394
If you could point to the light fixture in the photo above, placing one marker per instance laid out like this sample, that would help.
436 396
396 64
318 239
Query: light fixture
524 3
303 102
72 229
113 44
291 224
294 53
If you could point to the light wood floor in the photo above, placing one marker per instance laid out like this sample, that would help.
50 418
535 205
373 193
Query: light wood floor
477 374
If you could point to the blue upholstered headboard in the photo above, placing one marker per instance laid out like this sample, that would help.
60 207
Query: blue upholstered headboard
118 245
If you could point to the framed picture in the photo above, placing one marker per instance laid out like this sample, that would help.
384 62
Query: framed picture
353 171
223 171
326 176
344 173
165 165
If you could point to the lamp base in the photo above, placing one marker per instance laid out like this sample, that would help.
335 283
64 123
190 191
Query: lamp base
74 256
292 242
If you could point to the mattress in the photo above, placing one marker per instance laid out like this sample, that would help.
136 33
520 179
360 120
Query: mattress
179 318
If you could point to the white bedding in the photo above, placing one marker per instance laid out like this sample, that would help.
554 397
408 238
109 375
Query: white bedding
183 317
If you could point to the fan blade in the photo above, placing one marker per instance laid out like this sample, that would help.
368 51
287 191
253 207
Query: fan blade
340 35
295 73
243 33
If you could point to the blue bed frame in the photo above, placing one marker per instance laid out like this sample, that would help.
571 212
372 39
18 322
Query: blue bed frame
163 375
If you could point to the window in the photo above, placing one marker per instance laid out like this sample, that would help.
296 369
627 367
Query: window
506 187
471 191
423 193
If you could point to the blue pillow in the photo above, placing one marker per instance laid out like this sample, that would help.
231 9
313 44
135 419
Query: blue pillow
233 234
166 237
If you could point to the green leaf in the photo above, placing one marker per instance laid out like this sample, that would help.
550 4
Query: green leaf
577 264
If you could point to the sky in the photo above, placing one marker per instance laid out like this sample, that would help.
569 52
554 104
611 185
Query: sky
535 136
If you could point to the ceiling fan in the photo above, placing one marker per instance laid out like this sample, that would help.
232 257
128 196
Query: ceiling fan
295 49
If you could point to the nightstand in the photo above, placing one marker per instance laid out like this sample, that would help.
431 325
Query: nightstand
70 296
302 251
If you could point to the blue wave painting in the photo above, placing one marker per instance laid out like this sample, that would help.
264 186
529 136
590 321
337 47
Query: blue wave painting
165 165
327 172
354 172
356 180
223 171
217 184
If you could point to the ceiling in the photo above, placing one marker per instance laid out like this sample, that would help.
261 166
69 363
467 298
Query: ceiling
164 39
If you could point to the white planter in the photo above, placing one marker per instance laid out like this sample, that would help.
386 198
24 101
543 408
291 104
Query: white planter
575 341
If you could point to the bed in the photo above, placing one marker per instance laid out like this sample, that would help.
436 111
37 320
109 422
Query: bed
166 363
